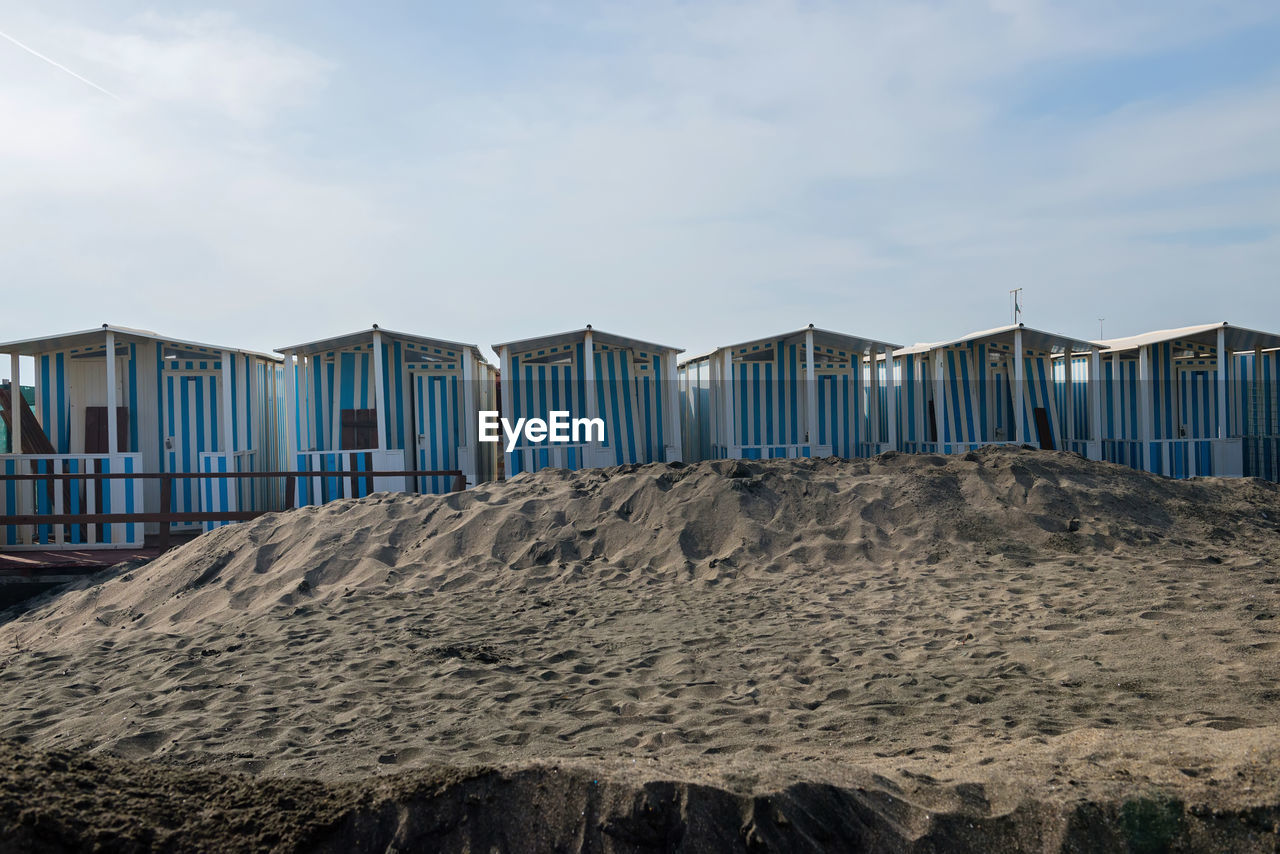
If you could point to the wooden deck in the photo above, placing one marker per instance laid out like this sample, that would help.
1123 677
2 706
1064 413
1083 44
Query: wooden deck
61 562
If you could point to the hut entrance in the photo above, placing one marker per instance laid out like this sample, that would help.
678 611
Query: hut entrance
189 415
436 423
1044 433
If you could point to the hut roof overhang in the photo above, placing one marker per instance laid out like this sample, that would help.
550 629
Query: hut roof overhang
1237 338
1032 339
577 335
91 337
821 338
365 336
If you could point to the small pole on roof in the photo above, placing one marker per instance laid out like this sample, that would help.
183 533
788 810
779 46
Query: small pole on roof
1100 319
1017 305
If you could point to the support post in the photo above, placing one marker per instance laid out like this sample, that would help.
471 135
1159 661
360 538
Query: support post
470 409
873 398
1145 405
920 377
674 440
730 422
1095 399
891 385
166 506
508 409
940 413
379 398
1070 402
1222 382
113 437
15 403
292 417
1019 395
1260 427
810 392
228 428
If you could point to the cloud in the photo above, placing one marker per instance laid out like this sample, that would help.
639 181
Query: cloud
693 173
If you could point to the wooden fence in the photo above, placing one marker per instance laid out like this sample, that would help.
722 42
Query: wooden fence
166 479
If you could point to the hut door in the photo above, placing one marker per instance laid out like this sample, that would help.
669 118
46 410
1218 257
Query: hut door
190 414
95 430
435 422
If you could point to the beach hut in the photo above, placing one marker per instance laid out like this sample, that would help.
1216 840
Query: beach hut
121 400
628 384
1198 400
378 400
807 393
994 387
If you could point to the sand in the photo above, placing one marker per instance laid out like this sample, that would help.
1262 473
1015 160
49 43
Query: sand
1006 636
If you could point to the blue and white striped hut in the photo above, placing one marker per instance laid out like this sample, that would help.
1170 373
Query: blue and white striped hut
1199 400
807 393
988 388
378 400
178 406
627 383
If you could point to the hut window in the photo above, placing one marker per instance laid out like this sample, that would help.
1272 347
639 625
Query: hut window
359 429
95 430
765 355
564 358
419 357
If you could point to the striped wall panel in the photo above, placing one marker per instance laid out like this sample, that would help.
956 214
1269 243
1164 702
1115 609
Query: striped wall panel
628 396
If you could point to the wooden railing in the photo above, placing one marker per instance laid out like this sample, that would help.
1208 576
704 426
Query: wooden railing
166 479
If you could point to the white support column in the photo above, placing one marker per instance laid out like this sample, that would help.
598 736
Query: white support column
891 383
1145 405
810 392
919 379
1261 393
1223 356
292 417
470 426
305 440
1117 400
873 397
589 373
674 450
15 403
730 423
1070 432
1095 400
1019 391
379 398
228 429
113 438
508 408
939 396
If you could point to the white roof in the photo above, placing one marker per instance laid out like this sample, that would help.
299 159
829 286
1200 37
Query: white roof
87 337
1237 338
1035 339
365 336
603 337
821 338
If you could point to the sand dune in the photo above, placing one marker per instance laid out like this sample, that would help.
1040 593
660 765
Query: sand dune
931 620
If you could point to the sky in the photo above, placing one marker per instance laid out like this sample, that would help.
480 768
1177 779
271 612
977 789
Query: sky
691 173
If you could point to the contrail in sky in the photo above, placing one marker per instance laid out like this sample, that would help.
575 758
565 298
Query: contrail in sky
58 65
